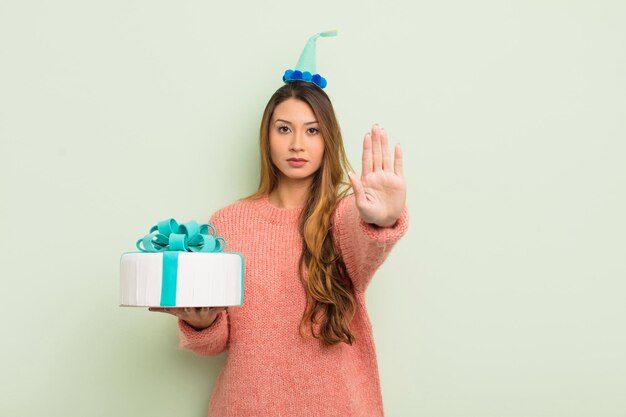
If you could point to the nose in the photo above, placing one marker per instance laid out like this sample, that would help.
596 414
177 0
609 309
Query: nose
297 142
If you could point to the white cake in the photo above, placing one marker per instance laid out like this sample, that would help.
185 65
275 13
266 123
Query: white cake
181 279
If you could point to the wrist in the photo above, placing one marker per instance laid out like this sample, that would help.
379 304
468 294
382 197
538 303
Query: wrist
204 323
197 328
378 224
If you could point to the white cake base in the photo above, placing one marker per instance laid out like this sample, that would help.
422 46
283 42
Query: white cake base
202 279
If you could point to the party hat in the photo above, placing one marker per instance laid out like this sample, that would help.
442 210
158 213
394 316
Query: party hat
305 68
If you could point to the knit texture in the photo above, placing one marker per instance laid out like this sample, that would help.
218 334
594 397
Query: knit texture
270 369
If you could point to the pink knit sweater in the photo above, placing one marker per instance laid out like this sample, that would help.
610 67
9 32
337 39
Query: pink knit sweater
271 370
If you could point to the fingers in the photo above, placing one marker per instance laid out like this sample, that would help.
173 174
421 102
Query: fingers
199 318
398 167
384 145
377 154
189 313
366 161
175 311
158 309
203 313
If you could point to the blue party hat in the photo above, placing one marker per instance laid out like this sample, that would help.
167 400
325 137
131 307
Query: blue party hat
305 68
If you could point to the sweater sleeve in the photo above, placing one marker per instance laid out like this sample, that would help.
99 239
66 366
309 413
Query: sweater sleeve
208 342
364 246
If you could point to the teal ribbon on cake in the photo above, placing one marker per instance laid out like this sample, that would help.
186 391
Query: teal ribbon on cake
171 238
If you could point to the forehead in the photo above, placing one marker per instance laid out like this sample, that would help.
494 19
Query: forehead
295 111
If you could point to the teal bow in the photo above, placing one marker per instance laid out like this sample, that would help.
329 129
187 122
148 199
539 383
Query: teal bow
168 235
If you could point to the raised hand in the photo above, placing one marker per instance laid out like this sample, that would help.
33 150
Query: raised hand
380 194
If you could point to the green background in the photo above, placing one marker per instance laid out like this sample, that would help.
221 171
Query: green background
505 298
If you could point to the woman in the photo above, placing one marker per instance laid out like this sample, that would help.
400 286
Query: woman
301 345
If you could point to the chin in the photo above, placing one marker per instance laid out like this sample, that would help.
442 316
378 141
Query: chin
296 177
299 177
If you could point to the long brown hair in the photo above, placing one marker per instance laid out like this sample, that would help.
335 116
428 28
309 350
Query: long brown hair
330 297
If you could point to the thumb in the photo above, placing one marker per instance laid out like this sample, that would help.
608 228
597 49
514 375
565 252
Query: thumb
359 192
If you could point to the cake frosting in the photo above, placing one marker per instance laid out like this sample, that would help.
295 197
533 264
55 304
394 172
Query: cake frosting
181 265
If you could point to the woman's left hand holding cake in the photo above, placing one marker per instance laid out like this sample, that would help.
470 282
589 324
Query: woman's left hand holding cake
197 317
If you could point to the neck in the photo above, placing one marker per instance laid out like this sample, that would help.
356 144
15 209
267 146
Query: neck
290 194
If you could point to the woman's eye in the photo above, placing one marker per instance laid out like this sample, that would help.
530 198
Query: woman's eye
283 129
313 131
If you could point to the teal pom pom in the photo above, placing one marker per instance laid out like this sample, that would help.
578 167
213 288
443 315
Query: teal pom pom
319 80
291 75
287 75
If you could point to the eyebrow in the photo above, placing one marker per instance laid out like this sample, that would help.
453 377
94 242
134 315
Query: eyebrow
289 123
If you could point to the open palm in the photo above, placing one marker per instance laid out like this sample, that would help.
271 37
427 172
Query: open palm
380 193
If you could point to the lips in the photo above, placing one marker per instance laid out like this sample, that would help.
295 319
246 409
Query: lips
296 162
